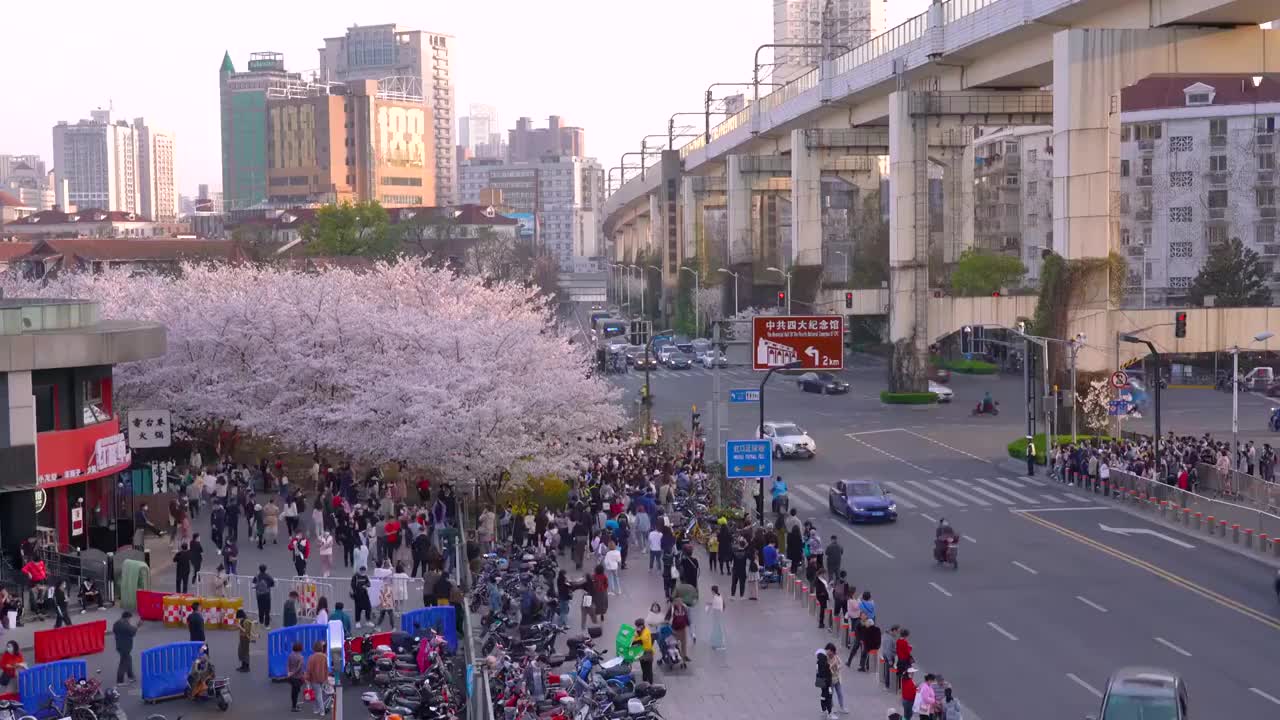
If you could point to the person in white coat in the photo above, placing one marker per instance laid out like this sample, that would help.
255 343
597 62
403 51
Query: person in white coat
325 547
361 555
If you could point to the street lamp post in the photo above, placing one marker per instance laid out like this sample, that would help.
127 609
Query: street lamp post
697 303
1235 393
760 429
735 287
786 274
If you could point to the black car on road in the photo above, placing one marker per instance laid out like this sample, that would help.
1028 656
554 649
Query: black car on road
823 383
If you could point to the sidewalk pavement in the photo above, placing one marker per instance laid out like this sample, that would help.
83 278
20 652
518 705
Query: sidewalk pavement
767 668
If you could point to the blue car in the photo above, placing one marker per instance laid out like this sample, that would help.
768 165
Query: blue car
862 501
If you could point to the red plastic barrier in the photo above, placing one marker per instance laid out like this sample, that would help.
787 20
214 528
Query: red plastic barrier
71 641
355 644
151 604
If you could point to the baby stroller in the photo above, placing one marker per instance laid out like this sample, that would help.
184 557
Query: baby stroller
770 576
669 649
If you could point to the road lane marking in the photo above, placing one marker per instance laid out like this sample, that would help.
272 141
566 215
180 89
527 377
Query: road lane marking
1091 603
1173 647
815 496
1002 631
1008 492
1008 481
1031 570
1059 509
887 454
1265 696
966 537
871 432
930 518
1053 498
869 544
921 487
949 447
1182 582
939 588
897 489
983 491
1092 690
961 492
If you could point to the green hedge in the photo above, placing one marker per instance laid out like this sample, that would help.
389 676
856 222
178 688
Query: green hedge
908 398
968 367
1018 448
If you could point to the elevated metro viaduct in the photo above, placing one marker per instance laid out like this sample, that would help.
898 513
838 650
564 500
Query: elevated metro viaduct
911 94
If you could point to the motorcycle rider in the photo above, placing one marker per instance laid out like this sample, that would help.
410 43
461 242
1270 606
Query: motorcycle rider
1274 422
987 403
779 493
943 536
201 674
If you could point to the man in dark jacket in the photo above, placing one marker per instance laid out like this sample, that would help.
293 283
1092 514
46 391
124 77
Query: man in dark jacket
262 585
835 555
360 593
688 566
421 548
291 609
195 623
182 568
124 630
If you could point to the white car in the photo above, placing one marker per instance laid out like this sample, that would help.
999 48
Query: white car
789 439
713 358
943 392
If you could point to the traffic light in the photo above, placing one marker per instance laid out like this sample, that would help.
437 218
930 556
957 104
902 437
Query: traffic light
1180 324
848 300
995 293
782 298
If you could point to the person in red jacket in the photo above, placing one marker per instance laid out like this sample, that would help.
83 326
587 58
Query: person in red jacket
902 649
908 692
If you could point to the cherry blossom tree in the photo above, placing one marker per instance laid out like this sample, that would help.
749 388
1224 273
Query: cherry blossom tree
401 362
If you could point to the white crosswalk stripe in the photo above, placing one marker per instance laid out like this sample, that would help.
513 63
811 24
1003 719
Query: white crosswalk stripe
993 484
1052 498
1031 481
1012 482
922 487
818 498
901 492
982 491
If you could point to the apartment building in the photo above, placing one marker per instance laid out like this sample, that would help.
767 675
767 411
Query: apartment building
1013 193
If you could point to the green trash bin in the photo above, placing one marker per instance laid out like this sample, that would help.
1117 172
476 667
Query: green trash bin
622 644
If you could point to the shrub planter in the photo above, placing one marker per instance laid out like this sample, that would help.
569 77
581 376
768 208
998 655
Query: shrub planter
908 398
969 367
1018 448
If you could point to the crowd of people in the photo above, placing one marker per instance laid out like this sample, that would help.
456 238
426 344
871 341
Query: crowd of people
1180 458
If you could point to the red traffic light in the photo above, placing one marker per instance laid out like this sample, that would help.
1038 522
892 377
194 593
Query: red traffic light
995 293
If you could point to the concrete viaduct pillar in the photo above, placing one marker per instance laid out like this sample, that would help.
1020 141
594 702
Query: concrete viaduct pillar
1090 67
806 200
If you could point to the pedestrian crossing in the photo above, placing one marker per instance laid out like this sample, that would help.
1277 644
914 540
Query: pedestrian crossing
944 492
636 377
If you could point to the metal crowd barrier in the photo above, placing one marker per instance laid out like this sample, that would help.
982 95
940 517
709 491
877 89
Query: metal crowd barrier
1250 489
241 586
1236 522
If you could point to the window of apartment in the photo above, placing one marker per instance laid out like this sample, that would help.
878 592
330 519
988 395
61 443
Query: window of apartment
1148 270
1145 197
1033 219
1218 126
95 403
1146 236
1011 179
1031 155
1267 161
1124 168
1126 237
1180 179
1124 133
1180 214
1011 147
1218 198
1215 234
1217 163
1124 202
1179 283
1032 187
1266 124
1181 143
1180 249
1146 167
1266 196
1264 233
1198 98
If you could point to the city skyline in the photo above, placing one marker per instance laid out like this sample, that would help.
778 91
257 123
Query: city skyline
614 111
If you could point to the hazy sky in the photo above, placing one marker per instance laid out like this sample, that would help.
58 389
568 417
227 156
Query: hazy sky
618 68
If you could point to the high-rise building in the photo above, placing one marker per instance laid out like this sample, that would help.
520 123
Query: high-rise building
349 142
829 26
1013 193
244 124
528 144
480 122
98 160
26 178
422 60
563 193
8 164
159 189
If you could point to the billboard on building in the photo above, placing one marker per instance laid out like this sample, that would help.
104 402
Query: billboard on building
528 222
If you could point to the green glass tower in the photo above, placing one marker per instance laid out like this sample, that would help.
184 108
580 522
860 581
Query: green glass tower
244 125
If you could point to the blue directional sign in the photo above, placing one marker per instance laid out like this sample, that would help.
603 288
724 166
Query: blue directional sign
748 458
747 395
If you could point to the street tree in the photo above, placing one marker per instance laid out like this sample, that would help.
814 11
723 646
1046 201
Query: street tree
982 273
362 229
1234 276
399 362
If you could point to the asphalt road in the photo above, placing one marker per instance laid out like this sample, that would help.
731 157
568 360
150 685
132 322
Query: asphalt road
1046 602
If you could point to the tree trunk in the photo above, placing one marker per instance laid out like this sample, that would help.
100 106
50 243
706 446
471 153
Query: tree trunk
906 371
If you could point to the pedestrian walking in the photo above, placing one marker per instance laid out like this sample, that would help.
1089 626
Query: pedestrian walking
823 597
564 594
322 611
195 555
908 693
300 548
950 706
612 563
262 586
738 570
124 630
871 640
715 610
182 569
386 606
316 674
823 682
678 616
835 557
360 594
247 635
195 624
325 547
294 668
753 578
837 688
62 615
289 614
926 699
644 638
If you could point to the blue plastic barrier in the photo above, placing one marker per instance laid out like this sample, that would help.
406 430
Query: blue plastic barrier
164 670
34 683
280 643
441 619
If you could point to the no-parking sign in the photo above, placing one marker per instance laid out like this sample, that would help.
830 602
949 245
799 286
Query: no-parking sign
1119 379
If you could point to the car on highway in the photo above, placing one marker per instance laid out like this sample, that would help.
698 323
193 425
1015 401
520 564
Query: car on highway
862 501
665 352
823 383
712 358
1143 693
643 363
943 392
789 439
632 352
679 361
